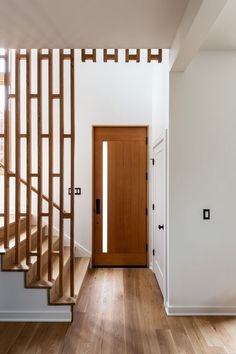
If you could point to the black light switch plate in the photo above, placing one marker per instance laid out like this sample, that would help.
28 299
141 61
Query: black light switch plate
206 214
76 192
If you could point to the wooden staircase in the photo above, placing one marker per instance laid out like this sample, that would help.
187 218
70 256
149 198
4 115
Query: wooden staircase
30 271
45 164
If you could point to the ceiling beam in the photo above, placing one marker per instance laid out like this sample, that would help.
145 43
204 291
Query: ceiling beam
198 18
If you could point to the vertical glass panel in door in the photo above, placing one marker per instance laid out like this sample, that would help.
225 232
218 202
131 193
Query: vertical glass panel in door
104 194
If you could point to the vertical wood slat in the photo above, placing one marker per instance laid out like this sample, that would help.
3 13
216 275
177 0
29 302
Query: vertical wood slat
72 153
29 157
6 153
17 158
39 204
61 223
51 164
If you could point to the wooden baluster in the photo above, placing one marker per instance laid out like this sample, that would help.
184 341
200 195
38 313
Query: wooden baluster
51 164
17 157
29 157
40 167
72 112
61 227
6 153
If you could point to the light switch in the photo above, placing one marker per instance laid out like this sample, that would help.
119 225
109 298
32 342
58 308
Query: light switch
206 214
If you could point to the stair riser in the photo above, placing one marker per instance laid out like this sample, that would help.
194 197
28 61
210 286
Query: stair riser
9 257
12 229
31 275
54 291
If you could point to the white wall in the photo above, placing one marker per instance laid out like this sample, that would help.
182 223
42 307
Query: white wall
160 97
107 94
202 258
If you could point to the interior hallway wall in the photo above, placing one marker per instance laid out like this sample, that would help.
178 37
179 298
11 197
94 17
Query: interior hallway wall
202 175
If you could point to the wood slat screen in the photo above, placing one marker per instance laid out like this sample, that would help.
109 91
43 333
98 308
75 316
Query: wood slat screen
29 138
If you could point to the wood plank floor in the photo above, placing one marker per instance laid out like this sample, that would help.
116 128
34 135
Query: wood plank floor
120 311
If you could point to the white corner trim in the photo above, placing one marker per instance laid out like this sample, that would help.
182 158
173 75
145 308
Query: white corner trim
80 251
35 316
200 310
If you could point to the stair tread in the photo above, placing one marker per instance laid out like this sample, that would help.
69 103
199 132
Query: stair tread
81 267
44 282
44 249
11 221
23 265
20 266
65 300
12 240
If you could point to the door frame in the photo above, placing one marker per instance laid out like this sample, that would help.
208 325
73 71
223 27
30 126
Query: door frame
93 183
162 138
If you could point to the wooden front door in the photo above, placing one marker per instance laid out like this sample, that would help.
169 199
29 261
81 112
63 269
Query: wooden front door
120 196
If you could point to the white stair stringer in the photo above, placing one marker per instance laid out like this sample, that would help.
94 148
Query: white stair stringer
18 303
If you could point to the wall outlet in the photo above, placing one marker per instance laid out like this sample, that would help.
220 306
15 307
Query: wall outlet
206 214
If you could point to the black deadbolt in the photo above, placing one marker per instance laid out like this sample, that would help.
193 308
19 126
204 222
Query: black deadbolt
161 227
97 206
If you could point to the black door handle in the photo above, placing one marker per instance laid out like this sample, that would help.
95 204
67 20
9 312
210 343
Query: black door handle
97 206
161 227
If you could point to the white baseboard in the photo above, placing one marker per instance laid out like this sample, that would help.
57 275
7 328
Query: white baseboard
35 316
200 310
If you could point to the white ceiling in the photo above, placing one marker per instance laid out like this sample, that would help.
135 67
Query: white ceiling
222 35
89 23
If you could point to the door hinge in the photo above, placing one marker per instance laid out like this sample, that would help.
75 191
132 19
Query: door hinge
146 211
153 206
146 176
153 161
153 252
146 247
146 140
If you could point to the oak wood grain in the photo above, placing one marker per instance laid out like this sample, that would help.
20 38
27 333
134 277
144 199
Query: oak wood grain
121 311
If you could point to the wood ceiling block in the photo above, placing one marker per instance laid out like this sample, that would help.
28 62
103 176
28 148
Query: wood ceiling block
129 57
110 56
154 56
88 56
